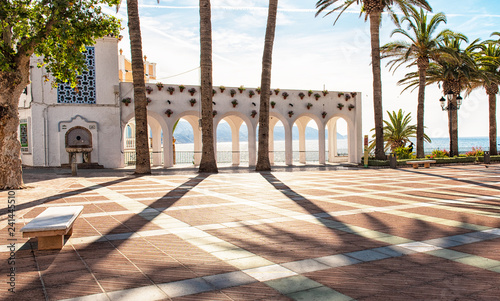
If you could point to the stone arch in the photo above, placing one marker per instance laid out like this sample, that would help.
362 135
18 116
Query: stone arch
193 118
331 124
235 120
158 125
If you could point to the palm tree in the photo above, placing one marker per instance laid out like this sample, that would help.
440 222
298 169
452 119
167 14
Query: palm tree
263 163
398 130
422 46
143 164
373 9
207 163
488 77
453 71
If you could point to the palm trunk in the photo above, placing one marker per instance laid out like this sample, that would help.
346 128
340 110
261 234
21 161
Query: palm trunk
208 163
263 163
420 112
12 85
143 165
493 123
453 125
377 85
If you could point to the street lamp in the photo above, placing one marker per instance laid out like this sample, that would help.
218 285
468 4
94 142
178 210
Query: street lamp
451 107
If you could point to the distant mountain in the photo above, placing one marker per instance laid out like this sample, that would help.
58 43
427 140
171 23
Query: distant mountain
184 133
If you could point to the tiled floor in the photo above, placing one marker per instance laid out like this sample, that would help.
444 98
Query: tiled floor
331 234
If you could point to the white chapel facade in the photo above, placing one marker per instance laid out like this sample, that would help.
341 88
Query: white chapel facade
94 119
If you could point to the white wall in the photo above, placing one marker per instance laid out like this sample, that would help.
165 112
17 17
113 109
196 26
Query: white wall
47 114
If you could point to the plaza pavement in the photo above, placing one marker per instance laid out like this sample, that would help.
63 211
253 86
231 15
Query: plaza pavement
330 233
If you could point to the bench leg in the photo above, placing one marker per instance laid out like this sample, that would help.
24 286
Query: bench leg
50 242
427 165
415 166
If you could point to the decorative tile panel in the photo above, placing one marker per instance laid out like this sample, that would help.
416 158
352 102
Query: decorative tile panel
85 92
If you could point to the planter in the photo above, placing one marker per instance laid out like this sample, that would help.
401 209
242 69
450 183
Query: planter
309 93
317 96
181 88
324 114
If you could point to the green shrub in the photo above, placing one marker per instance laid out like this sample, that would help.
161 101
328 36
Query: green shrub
403 153
438 154
475 152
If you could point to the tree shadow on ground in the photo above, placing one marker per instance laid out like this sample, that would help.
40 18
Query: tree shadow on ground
108 248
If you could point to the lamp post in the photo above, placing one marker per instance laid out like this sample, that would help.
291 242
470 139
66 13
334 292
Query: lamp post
451 107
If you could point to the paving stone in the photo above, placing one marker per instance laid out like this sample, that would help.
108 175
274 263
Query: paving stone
305 266
480 262
367 255
142 293
269 272
319 294
337 260
185 287
249 262
293 284
226 280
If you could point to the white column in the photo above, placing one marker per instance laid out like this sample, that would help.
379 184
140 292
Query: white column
272 124
252 145
156 131
332 129
197 145
168 156
288 144
321 141
302 142
235 139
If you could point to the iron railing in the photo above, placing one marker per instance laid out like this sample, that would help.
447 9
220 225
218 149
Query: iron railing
187 157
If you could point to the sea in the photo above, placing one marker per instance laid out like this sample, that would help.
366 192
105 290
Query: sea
465 144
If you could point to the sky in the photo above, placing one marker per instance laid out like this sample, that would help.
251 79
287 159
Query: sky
309 52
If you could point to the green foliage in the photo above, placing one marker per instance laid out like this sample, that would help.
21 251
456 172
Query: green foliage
56 30
403 153
475 152
438 154
398 131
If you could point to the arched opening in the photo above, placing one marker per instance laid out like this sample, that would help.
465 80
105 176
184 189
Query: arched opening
232 141
183 143
155 142
338 140
308 144
276 141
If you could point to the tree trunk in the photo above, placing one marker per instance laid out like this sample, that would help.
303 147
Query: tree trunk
12 85
208 163
453 125
377 84
263 163
143 164
422 70
493 123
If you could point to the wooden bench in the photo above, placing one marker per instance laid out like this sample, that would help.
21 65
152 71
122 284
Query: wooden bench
51 226
427 163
